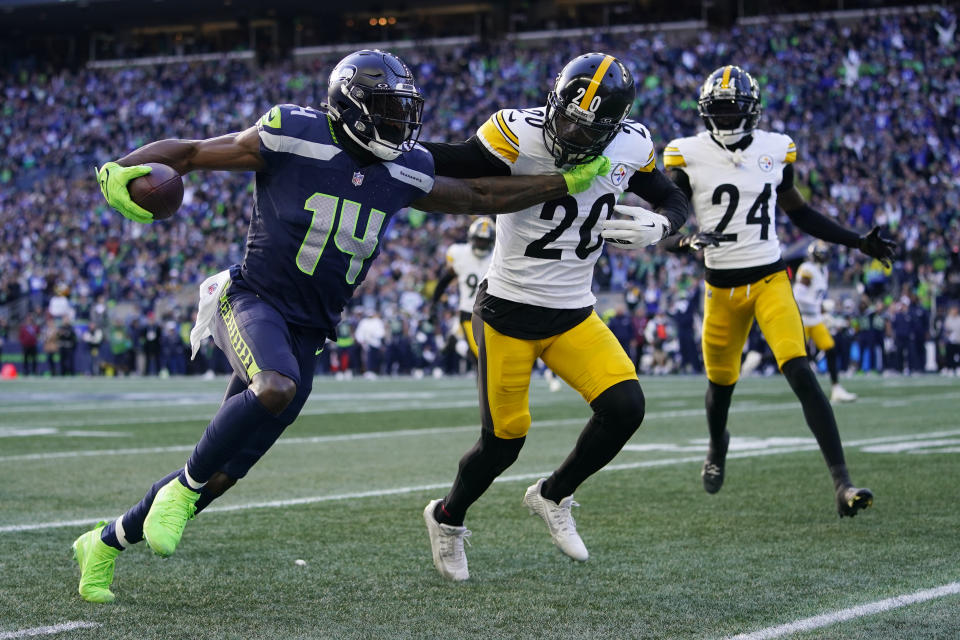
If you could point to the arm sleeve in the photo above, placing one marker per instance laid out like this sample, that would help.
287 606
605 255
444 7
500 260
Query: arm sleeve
786 183
811 221
468 159
666 197
448 276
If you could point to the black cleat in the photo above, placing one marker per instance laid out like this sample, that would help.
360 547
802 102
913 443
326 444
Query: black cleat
850 500
712 472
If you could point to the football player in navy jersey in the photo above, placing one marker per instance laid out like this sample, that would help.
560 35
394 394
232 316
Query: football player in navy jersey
327 182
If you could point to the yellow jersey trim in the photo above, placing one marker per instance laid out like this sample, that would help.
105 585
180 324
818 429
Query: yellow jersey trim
673 158
791 153
505 130
499 143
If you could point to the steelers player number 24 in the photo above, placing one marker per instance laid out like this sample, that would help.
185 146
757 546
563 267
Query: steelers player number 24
587 245
759 213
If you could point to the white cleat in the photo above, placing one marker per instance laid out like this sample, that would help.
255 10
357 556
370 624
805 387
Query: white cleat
555 385
839 394
560 522
446 543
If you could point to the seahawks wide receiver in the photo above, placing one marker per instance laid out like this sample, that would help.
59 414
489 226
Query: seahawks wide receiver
735 175
327 182
810 291
536 300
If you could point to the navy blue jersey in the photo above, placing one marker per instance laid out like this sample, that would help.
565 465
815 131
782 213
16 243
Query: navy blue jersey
318 216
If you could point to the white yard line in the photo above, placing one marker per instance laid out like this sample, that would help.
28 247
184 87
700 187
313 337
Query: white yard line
375 435
842 615
46 631
375 493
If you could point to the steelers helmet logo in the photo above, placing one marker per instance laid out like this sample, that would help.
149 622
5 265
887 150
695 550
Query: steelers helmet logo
765 162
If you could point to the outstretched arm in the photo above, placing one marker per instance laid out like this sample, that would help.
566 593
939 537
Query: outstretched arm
232 152
811 221
507 194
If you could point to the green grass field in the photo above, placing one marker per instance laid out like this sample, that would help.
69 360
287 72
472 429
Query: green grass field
345 488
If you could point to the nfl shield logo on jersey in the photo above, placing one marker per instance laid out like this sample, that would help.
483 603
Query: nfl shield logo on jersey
357 178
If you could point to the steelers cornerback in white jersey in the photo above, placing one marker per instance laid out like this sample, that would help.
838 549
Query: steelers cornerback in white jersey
735 176
810 291
536 299
467 263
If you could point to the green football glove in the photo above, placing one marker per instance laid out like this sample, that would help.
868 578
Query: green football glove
578 179
113 181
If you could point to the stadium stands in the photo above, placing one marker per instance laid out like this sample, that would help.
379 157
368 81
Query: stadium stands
872 105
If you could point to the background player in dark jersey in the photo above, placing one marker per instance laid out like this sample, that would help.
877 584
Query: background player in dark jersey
327 182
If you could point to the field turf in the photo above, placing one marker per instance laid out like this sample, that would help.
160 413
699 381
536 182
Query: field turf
344 489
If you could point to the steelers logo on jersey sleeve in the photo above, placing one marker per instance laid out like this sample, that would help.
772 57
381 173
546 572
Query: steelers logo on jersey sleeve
765 162
618 174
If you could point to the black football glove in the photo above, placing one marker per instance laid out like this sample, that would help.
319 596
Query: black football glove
876 247
697 241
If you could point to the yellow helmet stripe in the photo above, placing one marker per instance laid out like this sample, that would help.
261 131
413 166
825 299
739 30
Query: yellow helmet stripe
595 83
725 81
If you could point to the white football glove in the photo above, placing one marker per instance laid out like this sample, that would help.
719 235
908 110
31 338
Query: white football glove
643 229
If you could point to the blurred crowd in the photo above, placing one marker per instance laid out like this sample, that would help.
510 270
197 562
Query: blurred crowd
872 105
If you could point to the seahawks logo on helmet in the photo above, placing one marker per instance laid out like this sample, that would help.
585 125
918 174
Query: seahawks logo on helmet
373 95
590 99
729 104
482 235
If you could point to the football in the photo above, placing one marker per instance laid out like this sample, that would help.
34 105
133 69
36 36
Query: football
160 192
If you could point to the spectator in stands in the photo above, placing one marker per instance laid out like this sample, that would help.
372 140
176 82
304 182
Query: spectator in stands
93 339
67 347
951 339
29 337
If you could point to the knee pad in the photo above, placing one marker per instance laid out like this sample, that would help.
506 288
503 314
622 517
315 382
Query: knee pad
621 407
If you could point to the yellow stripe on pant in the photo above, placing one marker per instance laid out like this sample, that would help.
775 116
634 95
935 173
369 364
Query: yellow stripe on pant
588 357
728 315
821 336
468 334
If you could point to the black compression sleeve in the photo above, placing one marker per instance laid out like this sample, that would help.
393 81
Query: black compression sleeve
448 276
811 221
682 180
786 183
672 243
468 159
665 196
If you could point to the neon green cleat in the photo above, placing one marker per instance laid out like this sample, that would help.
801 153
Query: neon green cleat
173 505
97 561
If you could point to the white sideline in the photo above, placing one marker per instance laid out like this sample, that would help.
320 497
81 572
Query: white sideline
46 631
842 615
526 477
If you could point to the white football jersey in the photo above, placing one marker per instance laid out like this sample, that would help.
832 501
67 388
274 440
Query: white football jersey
810 297
544 255
470 271
735 194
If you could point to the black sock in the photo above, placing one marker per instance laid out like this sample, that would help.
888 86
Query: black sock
717 403
617 413
479 466
816 410
831 356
